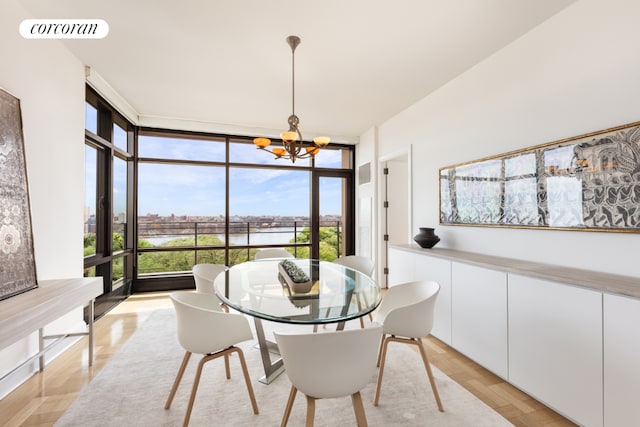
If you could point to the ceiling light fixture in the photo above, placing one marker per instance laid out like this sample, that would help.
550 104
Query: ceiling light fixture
294 148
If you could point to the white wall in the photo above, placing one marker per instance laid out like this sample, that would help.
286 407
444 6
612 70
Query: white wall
365 192
367 200
576 73
49 81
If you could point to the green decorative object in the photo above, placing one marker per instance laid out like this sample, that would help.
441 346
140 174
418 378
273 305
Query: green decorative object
295 273
294 277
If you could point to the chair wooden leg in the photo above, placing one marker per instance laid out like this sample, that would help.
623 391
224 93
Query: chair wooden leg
311 411
287 410
176 383
247 379
225 353
427 366
380 350
359 304
227 368
381 359
194 390
358 408
425 360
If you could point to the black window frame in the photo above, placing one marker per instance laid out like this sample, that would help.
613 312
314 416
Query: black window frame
101 263
133 282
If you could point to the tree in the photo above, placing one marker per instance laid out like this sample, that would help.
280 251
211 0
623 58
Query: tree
328 243
89 244
183 260
154 262
118 242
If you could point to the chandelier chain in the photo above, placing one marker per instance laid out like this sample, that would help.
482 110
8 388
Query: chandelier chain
293 81
292 140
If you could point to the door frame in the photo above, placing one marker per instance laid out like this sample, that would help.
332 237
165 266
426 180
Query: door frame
348 211
404 155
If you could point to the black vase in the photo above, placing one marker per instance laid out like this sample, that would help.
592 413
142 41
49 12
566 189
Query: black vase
426 238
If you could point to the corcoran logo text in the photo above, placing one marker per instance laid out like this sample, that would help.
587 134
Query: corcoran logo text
64 28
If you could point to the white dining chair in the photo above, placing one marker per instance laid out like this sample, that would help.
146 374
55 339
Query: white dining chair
362 264
204 274
406 313
273 253
329 365
203 328
358 262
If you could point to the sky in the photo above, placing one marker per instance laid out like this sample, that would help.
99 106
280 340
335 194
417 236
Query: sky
199 190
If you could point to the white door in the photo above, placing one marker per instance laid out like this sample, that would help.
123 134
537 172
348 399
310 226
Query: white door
396 206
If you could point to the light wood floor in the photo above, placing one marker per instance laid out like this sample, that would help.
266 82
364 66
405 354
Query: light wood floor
44 398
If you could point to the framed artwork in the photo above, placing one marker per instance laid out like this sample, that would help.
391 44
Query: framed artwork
589 182
17 262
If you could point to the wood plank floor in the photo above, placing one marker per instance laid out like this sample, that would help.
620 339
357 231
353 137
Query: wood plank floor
44 398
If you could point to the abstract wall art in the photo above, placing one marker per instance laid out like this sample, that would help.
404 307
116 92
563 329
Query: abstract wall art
17 262
590 182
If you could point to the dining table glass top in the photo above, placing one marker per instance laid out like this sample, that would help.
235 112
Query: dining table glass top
266 289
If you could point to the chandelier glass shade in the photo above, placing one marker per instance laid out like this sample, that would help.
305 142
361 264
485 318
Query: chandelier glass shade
293 146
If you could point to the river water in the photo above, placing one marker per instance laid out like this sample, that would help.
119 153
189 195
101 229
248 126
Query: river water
267 236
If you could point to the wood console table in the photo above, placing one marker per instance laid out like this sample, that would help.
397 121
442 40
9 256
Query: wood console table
31 311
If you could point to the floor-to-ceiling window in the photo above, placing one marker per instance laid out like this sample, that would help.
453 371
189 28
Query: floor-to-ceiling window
216 198
108 232
161 201
181 195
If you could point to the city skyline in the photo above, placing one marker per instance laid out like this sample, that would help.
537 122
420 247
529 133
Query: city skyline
162 193
199 190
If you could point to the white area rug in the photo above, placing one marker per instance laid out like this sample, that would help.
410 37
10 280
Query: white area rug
132 388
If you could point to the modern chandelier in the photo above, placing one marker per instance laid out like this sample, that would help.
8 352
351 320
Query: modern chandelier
293 146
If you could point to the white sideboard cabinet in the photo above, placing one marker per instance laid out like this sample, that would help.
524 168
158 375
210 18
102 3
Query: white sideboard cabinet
568 337
401 267
555 345
479 315
621 360
429 268
409 267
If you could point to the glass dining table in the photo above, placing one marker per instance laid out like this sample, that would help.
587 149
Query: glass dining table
318 293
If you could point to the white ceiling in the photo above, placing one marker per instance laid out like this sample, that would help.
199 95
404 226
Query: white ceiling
359 63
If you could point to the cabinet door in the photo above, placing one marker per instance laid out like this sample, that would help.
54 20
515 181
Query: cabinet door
430 268
401 266
479 315
621 361
555 346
